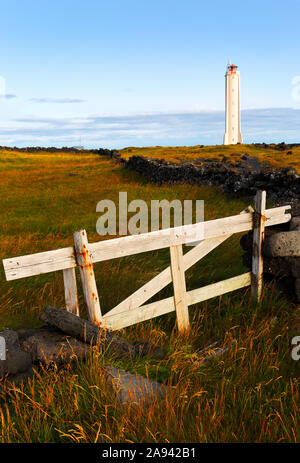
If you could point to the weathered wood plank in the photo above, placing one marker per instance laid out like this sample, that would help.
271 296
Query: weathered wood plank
219 288
258 236
135 244
41 262
87 276
70 286
86 331
178 277
60 259
161 280
155 309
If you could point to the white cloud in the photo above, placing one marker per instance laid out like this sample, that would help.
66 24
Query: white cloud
266 124
57 100
8 96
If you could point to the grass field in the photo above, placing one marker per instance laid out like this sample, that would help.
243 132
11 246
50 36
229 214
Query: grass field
251 394
232 152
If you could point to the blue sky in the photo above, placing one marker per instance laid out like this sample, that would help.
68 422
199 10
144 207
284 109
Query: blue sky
141 73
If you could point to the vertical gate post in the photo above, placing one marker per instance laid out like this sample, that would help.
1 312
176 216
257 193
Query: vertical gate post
87 275
178 277
71 290
258 236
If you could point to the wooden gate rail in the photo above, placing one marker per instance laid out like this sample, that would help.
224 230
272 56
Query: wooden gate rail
130 311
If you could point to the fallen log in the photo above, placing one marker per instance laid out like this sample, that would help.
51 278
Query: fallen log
86 331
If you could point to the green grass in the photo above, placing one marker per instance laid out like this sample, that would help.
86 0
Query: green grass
250 394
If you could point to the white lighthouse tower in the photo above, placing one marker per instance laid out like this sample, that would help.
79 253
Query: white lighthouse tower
233 133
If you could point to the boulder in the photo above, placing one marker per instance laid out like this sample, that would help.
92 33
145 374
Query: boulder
48 346
17 361
11 337
133 390
25 333
282 244
285 267
295 224
277 266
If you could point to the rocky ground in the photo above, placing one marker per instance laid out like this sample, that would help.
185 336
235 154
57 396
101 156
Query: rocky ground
30 349
243 177
237 175
34 349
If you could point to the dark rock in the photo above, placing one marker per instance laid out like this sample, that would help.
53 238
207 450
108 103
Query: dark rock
284 269
277 266
25 333
295 224
17 361
244 177
54 347
282 244
11 338
133 389
281 146
143 349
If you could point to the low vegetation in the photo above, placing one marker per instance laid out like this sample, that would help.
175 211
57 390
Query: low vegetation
287 157
251 394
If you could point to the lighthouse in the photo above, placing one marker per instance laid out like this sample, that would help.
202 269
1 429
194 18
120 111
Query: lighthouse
233 133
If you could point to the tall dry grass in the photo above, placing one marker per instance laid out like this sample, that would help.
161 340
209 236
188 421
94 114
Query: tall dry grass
250 394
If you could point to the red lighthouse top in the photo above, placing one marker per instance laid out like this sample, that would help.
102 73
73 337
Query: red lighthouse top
232 68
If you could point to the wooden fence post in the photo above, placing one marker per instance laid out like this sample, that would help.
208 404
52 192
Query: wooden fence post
178 277
87 276
71 290
258 236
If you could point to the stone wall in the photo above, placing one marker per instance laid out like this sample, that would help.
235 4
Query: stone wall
281 253
65 149
243 178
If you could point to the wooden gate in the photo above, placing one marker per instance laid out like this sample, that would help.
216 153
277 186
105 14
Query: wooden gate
132 310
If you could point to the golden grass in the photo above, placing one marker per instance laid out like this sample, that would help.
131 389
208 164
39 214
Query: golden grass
251 394
233 152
